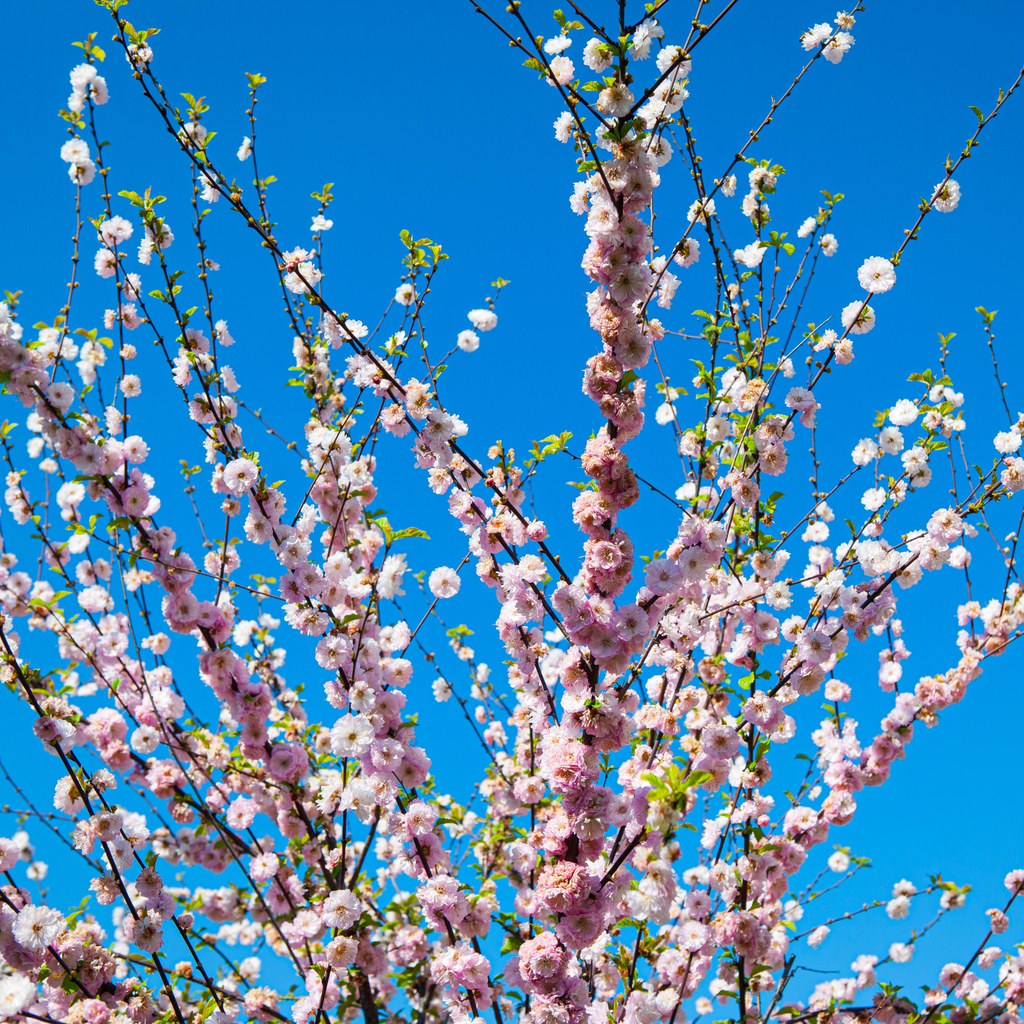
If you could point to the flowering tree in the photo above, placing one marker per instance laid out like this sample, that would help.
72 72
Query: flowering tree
632 859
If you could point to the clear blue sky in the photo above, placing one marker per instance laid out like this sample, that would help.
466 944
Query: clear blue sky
424 120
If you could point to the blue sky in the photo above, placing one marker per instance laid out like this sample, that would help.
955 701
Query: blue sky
424 120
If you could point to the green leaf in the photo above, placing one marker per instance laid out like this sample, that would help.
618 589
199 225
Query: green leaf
627 378
553 443
658 785
409 531
385 528
978 114
694 779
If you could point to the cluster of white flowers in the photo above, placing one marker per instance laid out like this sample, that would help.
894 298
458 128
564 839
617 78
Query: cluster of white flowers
836 43
81 168
86 84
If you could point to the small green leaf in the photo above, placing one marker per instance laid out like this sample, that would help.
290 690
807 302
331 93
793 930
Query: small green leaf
409 531
627 378
385 528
